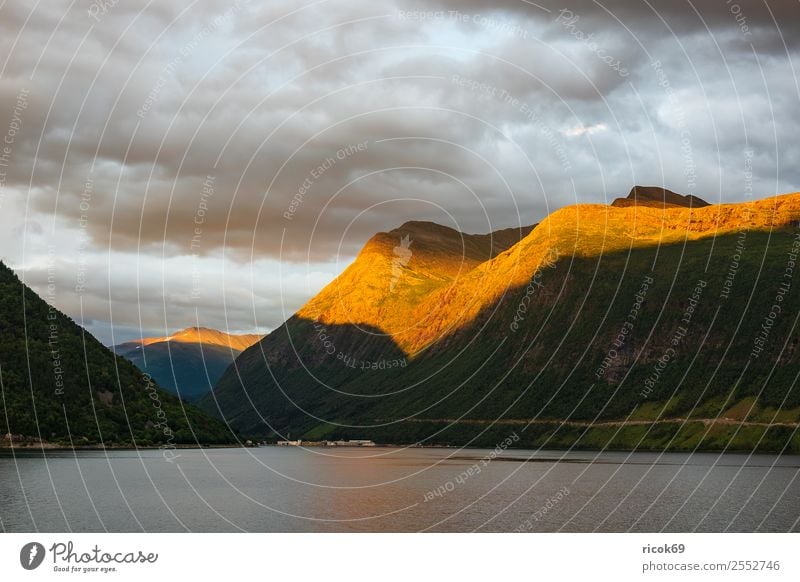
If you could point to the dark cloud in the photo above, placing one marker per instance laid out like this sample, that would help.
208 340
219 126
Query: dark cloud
641 19
319 124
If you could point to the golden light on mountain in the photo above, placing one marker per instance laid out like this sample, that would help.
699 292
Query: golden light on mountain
441 279
205 336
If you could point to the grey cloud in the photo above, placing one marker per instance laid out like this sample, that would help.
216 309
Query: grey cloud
147 298
766 21
147 104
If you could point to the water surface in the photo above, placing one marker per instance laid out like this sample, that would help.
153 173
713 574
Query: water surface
288 489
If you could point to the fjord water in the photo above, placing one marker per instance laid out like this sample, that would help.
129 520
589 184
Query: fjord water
289 489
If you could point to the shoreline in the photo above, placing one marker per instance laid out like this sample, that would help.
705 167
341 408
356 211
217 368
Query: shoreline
46 446
51 447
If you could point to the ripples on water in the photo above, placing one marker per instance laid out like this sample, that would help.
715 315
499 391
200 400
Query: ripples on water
291 489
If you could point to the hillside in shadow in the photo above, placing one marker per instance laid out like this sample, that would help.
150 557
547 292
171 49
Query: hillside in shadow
562 347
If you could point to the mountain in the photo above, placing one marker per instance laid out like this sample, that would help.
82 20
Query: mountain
60 385
603 326
200 335
397 273
657 197
189 362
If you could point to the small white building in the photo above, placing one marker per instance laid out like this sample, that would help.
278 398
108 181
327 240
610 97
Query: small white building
361 443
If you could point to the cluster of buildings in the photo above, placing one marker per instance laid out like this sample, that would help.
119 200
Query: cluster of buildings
349 443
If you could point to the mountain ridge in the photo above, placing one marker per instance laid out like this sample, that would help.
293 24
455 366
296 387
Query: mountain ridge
60 385
480 344
203 335
190 361
658 197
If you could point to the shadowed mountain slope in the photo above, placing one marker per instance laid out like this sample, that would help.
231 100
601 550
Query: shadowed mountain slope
189 362
599 315
60 384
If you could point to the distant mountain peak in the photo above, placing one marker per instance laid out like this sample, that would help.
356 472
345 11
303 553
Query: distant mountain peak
202 335
658 197
51 395
189 361
195 328
422 225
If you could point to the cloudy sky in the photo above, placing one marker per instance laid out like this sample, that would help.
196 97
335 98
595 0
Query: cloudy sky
169 164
